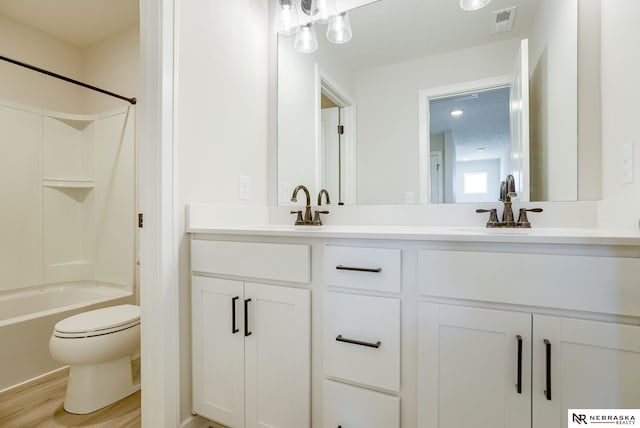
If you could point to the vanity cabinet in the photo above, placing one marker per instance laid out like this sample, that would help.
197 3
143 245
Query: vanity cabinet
250 344
361 337
412 332
516 368
476 364
594 365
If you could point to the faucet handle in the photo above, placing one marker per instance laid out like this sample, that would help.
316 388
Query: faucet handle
316 217
299 219
493 217
523 220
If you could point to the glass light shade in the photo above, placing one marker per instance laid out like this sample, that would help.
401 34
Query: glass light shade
339 29
306 40
325 11
473 4
286 17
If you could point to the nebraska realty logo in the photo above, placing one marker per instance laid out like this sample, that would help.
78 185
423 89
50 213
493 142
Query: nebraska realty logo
580 417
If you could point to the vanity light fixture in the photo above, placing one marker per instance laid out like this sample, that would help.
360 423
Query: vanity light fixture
339 30
473 4
306 40
325 10
457 112
286 17
318 11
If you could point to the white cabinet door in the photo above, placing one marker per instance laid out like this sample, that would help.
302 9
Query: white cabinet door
218 350
593 365
277 356
469 363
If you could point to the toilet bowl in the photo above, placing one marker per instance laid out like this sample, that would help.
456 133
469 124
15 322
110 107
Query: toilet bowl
98 346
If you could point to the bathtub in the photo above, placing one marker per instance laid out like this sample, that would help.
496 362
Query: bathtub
27 319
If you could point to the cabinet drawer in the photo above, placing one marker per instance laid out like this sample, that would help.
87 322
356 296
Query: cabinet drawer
582 283
283 262
352 407
362 268
362 339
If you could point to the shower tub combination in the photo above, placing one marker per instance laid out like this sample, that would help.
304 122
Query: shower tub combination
27 319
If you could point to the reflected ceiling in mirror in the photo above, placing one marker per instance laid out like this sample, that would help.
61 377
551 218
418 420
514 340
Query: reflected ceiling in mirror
398 49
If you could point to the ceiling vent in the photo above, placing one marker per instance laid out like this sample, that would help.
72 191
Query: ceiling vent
503 20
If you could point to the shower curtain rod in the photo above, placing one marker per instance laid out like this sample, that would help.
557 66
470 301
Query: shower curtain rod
67 79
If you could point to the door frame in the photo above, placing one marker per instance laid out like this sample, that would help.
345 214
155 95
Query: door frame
438 155
158 251
326 84
426 95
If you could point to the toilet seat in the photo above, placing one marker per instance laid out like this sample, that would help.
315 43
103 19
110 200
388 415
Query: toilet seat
98 322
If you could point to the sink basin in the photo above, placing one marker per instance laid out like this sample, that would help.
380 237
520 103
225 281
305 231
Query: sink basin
282 227
491 230
546 231
274 227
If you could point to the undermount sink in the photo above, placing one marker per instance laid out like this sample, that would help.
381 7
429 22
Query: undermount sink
492 230
548 231
281 227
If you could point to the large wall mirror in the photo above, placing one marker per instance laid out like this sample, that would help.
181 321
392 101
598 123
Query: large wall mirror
436 104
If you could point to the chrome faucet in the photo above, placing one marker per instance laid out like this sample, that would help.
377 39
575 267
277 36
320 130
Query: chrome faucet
316 215
508 191
307 210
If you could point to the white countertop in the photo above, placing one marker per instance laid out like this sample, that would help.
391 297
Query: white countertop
578 236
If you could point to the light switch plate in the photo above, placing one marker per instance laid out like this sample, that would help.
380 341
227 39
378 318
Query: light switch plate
243 191
409 198
626 167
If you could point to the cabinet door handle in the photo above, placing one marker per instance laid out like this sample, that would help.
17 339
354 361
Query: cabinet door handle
234 328
547 392
246 317
359 269
376 345
519 382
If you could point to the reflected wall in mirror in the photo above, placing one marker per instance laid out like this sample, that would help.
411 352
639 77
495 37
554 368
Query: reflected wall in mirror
383 157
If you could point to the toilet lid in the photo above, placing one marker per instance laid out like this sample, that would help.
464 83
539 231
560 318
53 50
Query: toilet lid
99 322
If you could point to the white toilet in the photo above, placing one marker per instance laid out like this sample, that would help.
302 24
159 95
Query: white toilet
98 346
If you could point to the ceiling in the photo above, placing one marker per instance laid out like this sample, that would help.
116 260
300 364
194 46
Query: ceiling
81 23
390 31
482 131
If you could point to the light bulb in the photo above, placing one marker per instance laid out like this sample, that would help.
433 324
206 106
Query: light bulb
306 41
473 4
286 17
339 29
325 11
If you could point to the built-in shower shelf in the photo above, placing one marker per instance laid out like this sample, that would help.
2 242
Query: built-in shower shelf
68 183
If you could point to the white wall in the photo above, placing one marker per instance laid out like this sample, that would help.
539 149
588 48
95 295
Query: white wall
620 95
112 64
25 44
221 125
553 92
387 146
297 111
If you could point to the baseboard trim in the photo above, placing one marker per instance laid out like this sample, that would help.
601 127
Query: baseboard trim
62 371
196 421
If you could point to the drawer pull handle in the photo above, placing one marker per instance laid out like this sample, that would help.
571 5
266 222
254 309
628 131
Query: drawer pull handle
246 317
547 392
359 269
234 328
376 345
519 383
